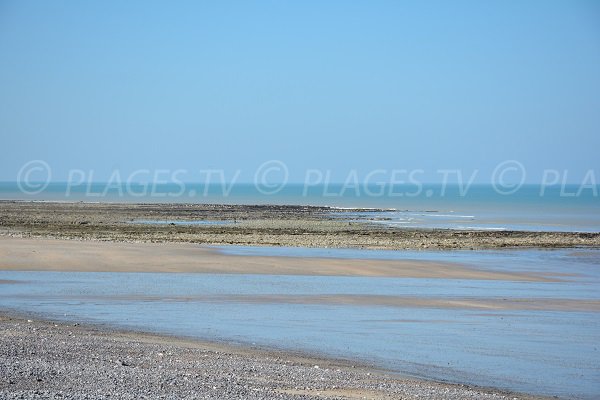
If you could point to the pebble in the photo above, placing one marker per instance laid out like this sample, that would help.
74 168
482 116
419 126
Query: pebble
80 362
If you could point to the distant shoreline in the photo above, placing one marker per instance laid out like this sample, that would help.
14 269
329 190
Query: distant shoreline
254 225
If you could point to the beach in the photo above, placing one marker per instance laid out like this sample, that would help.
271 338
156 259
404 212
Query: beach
139 300
300 200
93 256
53 359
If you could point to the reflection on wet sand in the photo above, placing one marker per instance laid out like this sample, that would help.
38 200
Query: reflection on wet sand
415 302
466 303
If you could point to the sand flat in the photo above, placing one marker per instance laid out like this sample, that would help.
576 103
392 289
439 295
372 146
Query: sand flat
462 303
466 303
95 256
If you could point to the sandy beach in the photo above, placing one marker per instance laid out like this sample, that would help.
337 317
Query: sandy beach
92 256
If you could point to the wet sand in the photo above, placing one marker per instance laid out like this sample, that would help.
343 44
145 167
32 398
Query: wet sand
28 254
266 225
460 303
46 359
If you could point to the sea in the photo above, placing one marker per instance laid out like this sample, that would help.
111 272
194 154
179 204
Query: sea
476 207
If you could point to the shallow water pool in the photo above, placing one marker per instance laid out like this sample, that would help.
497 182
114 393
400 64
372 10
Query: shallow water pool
551 351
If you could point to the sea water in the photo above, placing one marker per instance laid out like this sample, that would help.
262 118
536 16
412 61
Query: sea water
543 351
480 207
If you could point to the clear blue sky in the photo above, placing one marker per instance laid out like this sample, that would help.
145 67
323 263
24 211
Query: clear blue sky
317 84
